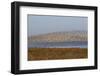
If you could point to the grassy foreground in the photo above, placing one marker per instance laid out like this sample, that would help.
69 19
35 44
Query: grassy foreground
56 53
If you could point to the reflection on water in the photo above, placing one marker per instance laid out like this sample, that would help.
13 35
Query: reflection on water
71 44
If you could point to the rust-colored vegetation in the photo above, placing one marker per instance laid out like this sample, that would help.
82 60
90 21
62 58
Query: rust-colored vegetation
56 53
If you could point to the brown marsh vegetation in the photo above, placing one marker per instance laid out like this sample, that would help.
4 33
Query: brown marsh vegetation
56 53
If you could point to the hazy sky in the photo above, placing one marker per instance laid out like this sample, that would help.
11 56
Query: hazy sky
39 24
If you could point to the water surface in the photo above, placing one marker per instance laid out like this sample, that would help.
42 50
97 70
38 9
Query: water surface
71 44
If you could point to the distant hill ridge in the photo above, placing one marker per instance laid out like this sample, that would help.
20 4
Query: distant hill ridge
60 36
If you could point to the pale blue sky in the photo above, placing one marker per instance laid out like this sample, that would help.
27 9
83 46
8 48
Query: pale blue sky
40 24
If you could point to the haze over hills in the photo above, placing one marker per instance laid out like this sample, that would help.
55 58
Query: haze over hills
60 36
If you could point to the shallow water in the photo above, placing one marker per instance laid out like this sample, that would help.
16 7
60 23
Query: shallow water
71 44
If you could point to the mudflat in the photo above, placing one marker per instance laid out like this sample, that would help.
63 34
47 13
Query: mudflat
56 53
